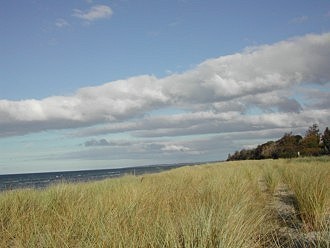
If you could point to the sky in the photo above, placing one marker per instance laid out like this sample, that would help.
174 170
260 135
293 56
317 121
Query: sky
92 84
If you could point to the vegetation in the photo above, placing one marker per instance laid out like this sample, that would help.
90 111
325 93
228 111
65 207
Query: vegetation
311 192
214 205
289 146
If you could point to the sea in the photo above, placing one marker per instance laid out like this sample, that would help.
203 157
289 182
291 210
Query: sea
44 179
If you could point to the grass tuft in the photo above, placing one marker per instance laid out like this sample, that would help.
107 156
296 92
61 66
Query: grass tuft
310 183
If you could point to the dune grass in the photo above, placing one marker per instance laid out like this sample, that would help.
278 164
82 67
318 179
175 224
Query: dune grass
270 177
310 182
215 205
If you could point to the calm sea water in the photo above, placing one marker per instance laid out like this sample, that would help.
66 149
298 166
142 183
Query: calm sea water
41 180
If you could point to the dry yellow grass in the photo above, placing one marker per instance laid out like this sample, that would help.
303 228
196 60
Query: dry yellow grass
216 205
310 182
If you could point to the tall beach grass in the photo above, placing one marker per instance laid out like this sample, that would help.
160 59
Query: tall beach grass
310 182
215 205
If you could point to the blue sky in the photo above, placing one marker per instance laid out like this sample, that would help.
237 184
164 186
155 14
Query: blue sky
104 84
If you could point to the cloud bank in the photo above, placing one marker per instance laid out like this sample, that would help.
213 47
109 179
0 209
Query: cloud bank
265 87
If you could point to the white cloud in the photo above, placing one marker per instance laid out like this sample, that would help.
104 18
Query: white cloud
219 95
256 70
61 23
300 19
105 142
161 146
175 148
191 149
94 13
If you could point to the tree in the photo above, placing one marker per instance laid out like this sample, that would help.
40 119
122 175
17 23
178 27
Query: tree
288 146
313 131
264 151
311 141
326 140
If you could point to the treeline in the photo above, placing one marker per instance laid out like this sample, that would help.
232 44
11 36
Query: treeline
313 143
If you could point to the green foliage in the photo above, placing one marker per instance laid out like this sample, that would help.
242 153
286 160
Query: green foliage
311 142
289 146
326 140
